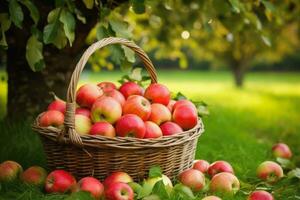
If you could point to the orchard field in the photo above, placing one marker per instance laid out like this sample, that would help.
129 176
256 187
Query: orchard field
242 126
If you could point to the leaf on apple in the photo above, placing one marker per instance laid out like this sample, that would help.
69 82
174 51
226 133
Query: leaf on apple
155 171
160 190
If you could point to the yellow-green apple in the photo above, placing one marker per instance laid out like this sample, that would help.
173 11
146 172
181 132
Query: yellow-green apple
83 111
201 165
91 185
185 116
159 113
282 150
119 191
137 105
130 88
171 105
51 118
170 128
152 130
211 198
34 175
106 109
59 181
107 86
9 171
260 195
130 125
58 105
87 95
116 177
103 128
184 102
83 124
118 96
269 171
192 178
158 93
149 183
218 167
225 183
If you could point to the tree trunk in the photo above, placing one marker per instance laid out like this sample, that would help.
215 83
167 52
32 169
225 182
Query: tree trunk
239 73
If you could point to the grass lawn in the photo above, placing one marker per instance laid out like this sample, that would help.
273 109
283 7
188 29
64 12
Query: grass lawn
242 126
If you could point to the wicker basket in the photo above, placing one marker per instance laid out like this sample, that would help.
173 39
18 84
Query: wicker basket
98 155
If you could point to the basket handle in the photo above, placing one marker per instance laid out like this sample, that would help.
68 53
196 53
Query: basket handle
71 93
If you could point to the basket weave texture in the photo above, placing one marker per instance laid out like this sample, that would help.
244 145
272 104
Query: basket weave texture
98 156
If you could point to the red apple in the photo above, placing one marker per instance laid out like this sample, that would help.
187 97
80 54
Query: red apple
91 185
130 88
260 195
58 105
192 178
130 125
118 96
152 130
9 171
116 177
170 128
282 150
87 95
119 191
269 171
159 114
158 93
83 124
106 109
185 116
218 167
184 102
103 128
211 198
107 86
59 181
34 175
83 111
51 118
137 105
224 182
171 105
201 165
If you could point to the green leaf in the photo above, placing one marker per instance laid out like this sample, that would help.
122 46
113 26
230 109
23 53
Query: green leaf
235 5
136 75
254 20
60 40
117 54
266 40
120 28
68 20
180 96
270 6
285 163
53 32
53 15
138 6
89 4
152 197
155 171
79 16
294 173
101 32
34 12
5 25
160 190
34 54
82 195
183 191
16 13
129 54
126 66
202 108
50 32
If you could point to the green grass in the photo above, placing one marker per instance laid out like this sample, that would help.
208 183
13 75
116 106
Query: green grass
242 126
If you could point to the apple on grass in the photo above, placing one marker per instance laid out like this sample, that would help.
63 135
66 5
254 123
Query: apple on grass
130 88
201 165
159 114
91 185
103 128
225 183
116 177
170 128
269 171
152 130
219 166
59 181
34 175
137 105
107 86
185 116
282 150
51 118
58 105
149 184
83 111
158 93
119 191
192 178
10 171
106 109
211 198
130 125
260 195
87 95
118 96
83 124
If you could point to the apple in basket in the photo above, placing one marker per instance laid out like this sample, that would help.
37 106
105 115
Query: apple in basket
83 124
137 105
201 165
130 88
87 95
91 185
51 118
184 102
118 96
170 128
185 116
158 93
34 175
83 111
282 150
58 105
269 171
116 177
260 195
107 86
225 183
103 128
9 171
130 125
192 178
159 114
171 105
59 181
119 191
218 167
152 130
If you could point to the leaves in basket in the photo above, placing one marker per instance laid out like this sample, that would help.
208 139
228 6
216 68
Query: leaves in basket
155 171
135 75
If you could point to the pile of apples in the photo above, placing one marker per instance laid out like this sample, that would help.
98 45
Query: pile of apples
127 111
